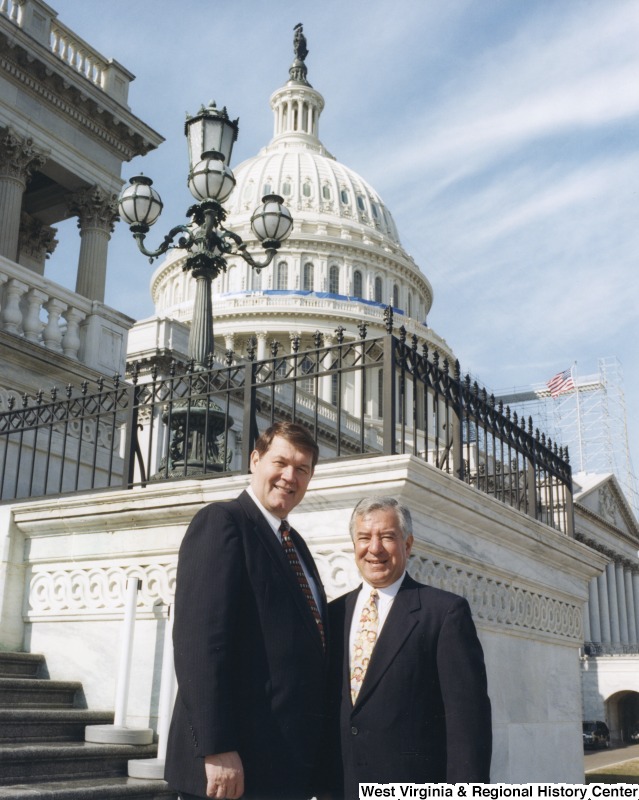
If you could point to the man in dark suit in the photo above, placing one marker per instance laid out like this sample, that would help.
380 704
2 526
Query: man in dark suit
249 638
408 667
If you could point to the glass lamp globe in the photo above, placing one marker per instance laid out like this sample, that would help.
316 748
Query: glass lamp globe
271 222
139 203
211 179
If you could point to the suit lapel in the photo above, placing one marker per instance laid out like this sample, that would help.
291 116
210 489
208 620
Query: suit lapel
349 610
401 620
266 537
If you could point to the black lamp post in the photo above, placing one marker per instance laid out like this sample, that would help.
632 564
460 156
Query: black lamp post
197 423
211 135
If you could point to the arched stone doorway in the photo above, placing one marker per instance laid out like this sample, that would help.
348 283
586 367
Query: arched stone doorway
622 713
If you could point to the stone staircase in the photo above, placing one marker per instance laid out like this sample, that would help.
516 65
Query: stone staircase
43 755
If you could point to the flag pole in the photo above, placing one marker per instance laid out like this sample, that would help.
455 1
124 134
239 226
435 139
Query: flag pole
581 449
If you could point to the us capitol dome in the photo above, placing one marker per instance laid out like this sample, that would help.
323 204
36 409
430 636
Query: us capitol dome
342 264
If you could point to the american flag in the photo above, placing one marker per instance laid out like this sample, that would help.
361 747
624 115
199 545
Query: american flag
562 382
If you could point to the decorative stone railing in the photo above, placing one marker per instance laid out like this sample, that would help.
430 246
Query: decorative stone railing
39 21
37 310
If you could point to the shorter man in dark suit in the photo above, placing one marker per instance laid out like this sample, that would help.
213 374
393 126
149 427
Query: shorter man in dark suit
249 638
408 668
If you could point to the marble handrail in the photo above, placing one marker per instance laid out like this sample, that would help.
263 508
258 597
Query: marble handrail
37 310
38 20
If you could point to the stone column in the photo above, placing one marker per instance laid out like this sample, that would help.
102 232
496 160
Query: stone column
261 345
36 242
593 611
621 601
604 610
613 603
630 605
97 212
229 341
635 586
18 160
586 624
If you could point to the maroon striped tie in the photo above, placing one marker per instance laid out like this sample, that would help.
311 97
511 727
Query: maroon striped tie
291 553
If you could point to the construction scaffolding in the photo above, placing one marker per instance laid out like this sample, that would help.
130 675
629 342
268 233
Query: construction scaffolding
590 419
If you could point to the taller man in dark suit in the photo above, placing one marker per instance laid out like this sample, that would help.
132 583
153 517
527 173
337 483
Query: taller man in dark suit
409 667
249 638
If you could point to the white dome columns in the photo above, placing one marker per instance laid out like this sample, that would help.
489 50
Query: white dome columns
296 110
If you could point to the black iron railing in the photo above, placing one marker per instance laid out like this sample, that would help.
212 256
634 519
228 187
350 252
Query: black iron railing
380 396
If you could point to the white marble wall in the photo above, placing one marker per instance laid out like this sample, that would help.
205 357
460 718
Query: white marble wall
525 582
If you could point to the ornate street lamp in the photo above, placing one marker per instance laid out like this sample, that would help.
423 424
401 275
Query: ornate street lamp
197 423
211 135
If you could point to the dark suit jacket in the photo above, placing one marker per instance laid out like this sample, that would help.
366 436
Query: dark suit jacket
249 660
423 713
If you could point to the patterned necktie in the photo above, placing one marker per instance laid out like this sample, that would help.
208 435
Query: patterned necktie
291 553
365 639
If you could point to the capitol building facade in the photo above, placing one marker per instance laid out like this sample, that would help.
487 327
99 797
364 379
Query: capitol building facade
341 267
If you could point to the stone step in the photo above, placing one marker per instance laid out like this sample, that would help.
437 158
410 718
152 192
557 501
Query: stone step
21 665
65 761
47 725
92 789
38 693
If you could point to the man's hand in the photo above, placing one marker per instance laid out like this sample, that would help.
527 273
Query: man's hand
224 775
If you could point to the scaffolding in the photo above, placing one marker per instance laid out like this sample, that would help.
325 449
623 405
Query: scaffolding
590 419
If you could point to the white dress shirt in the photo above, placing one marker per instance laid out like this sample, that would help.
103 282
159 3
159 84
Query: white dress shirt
275 522
385 599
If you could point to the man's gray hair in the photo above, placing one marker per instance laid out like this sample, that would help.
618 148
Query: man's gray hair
380 503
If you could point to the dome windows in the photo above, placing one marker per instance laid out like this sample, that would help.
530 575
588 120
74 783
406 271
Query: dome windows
357 283
333 279
395 295
307 189
247 194
360 202
326 192
256 280
232 278
282 275
286 188
267 189
308 278
378 290
344 197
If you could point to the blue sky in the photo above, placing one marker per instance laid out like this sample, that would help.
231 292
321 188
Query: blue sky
502 134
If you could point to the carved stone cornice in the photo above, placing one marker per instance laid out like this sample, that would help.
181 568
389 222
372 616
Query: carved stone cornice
19 157
94 208
57 91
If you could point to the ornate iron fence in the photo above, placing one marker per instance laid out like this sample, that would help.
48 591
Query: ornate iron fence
380 396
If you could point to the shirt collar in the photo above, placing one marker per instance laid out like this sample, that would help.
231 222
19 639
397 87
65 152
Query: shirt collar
272 520
387 591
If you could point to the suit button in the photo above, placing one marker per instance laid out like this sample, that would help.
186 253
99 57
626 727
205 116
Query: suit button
354 730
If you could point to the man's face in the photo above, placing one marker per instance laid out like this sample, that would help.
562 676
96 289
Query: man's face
381 552
280 476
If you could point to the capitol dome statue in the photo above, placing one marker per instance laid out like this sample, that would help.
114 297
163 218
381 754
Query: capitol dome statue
342 265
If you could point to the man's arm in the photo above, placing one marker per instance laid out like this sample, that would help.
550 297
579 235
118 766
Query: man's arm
210 579
462 677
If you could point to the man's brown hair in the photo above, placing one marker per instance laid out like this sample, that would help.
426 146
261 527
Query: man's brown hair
296 434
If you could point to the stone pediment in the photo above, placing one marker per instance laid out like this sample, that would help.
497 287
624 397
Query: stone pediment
602 495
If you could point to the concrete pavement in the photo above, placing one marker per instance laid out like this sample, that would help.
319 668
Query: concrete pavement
595 759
